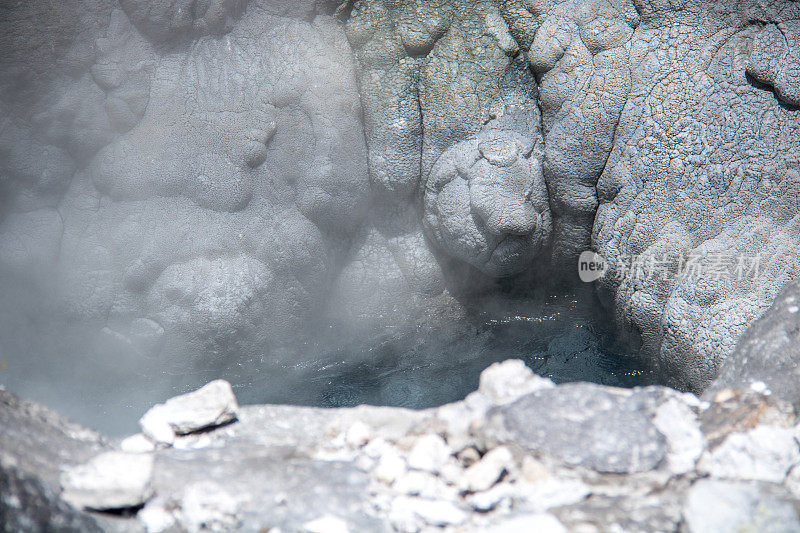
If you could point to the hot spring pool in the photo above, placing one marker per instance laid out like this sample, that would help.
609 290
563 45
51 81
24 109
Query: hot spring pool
562 337
428 367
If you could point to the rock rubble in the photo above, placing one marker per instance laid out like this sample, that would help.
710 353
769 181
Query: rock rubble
575 457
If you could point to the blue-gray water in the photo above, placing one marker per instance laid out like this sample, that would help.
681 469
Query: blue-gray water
561 338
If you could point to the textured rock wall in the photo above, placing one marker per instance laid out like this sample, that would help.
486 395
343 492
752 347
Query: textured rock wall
188 176
663 141
701 168
205 182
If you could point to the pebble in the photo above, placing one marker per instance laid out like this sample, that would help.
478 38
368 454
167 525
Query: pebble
438 512
327 524
468 456
391 466
489 499
486 472
156 519
539 523
419 483
137 443
429 453
358 434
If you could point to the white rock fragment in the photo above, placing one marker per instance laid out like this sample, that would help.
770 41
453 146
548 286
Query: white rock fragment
358 434
402 516
326 524
137 443
685 442
551 492
693 401
418 483
211 405
112 480
532 470
759 387
376 447
414 483
429 453
459 417
505 382
486 472
438 513
365 462
489 499
468 456
714 506
765 453
156 519
452 471
540 523
391 466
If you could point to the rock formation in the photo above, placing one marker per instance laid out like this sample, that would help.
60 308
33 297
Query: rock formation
193 186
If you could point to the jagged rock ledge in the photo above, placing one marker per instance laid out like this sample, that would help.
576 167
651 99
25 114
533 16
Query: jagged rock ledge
519 454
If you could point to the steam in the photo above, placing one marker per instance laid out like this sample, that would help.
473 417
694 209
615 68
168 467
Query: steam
176 213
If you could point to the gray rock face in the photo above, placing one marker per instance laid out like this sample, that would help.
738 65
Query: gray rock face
768 353
692 190
35 445
774 59
165 20
580 53
641 159
765 453
417 59
203 182
259 487
583 424
486 203
191 181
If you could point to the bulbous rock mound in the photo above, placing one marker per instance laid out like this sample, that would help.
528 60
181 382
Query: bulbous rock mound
486 203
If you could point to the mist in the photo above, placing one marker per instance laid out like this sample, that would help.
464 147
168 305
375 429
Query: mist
213 199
